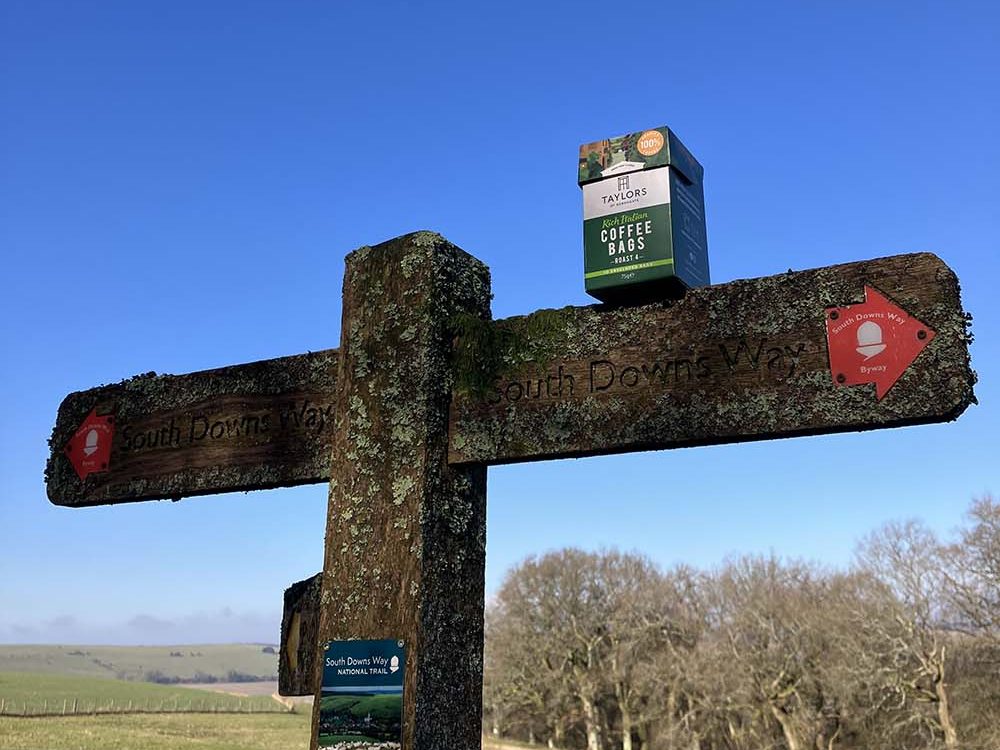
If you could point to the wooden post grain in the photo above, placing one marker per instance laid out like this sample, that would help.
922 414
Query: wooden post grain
405 538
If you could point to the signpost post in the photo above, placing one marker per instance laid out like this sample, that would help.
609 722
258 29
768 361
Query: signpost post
426 391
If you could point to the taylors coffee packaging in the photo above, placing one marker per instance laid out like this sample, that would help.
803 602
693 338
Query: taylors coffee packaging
643 217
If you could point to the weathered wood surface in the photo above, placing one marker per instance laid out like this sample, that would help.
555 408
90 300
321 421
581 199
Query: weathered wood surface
406 532
298 667
740 361
251 426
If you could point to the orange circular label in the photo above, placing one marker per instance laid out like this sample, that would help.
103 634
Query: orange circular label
650 142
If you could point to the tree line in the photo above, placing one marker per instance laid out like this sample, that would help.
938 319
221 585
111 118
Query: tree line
605 651
232 675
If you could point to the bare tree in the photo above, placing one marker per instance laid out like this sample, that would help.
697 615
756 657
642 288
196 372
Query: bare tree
973 571
774 641
524 687
595 628
603 651
648 621
909 639
556 610
972 589
669 695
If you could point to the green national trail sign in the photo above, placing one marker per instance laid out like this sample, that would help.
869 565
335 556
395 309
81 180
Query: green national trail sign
361 695
425 391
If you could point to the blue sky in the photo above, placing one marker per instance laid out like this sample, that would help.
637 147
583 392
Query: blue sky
180 182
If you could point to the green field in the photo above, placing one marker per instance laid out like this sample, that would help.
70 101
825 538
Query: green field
29 682
158 732
378 706
137 662
360 717
21 693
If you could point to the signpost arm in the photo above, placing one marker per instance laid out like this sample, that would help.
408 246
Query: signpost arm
297 668
747 360
405 537
244 427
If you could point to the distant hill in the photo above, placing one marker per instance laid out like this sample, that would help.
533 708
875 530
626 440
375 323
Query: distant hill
225 663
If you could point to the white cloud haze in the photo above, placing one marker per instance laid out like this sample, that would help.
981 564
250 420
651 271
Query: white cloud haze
221 626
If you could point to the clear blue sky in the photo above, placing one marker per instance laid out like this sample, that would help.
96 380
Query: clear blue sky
180 181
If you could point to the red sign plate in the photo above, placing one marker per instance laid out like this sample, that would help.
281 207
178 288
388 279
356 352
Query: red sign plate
873 342
90 448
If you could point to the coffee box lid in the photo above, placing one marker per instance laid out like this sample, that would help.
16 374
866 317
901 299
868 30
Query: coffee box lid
645 149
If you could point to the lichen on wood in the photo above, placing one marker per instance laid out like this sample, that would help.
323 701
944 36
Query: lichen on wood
405 540
252 426
485 350
741 361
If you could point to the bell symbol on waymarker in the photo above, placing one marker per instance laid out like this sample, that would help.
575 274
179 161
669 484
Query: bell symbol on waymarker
90 444
394 664
870 340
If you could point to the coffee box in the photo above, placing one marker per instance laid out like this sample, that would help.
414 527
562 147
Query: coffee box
643 217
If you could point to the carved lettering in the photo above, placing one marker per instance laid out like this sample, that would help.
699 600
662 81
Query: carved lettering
742 352
602 369
712 362
253 427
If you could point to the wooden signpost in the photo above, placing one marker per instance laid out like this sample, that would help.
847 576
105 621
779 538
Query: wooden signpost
247 427
426 391
734 362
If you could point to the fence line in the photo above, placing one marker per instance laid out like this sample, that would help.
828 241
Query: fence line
10 708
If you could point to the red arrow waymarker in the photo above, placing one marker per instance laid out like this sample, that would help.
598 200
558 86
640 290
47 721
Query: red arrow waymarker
873 342
89 450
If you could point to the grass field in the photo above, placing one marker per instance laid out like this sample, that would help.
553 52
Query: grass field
158 732
134 662
145 731
169 732
492 743
377 706
37 693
